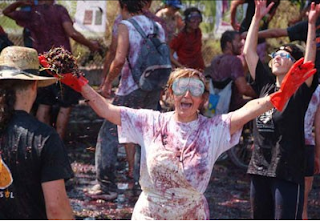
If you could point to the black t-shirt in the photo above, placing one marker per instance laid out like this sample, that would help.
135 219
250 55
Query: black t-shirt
279 136
33 153
299 32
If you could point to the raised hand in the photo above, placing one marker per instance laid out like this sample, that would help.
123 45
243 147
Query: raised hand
261 8
313 12
298 73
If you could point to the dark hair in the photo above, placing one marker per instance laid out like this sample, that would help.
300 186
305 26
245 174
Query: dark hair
227 36
188 11
133 6
294 50
8 99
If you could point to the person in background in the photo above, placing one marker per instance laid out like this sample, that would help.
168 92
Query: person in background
312 146
4 40
179 148
303 14
129 42
244 26
113 45
228 67
27 39
172 17
188 43
277 162
297 32
33 161
50 26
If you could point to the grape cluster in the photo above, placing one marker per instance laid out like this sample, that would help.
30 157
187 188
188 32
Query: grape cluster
61 61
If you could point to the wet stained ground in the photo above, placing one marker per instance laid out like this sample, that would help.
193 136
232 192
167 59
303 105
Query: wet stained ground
227 193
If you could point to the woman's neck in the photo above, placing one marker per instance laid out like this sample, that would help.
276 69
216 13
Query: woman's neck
126 15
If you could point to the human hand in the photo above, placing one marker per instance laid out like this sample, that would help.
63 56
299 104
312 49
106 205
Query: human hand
73 81
235 25
44 63
95 46
313 13
69 79
298 73
261 8
106 90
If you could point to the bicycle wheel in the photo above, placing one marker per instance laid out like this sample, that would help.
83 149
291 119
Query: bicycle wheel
240 154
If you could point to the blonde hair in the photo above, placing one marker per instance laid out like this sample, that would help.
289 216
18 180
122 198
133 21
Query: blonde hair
185 73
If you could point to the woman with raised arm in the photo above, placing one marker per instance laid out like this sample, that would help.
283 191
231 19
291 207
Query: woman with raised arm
179 148
277 162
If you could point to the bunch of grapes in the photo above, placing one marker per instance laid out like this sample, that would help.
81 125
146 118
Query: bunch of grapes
61 61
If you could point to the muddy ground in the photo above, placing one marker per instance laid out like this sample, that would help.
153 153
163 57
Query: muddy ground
227 194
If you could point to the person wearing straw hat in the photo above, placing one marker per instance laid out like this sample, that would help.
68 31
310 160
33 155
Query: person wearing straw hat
33 160
51 26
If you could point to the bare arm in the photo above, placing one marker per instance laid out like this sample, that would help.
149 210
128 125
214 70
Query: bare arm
317 141
101 106
56 200
78 37
233 12
121 53
174 61
119 60
249 111
244 88
109 58
250 46
310 54
13 7
269 33
273 33
180 22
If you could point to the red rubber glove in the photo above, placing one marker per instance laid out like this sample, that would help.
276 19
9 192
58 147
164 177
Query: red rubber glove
69 79
44 63
76 83
297 74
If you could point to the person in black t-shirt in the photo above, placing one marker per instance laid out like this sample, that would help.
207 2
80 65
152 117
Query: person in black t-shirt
277 163
33 160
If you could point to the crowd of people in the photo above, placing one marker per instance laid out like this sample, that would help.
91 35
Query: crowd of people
170 154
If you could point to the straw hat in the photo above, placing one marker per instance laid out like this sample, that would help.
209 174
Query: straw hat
22 63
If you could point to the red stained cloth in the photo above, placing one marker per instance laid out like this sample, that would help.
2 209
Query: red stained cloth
188 48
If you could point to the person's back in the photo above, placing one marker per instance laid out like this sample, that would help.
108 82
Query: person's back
32 153
127 84
33 160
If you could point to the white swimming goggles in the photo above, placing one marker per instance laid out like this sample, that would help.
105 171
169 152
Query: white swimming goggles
180 86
